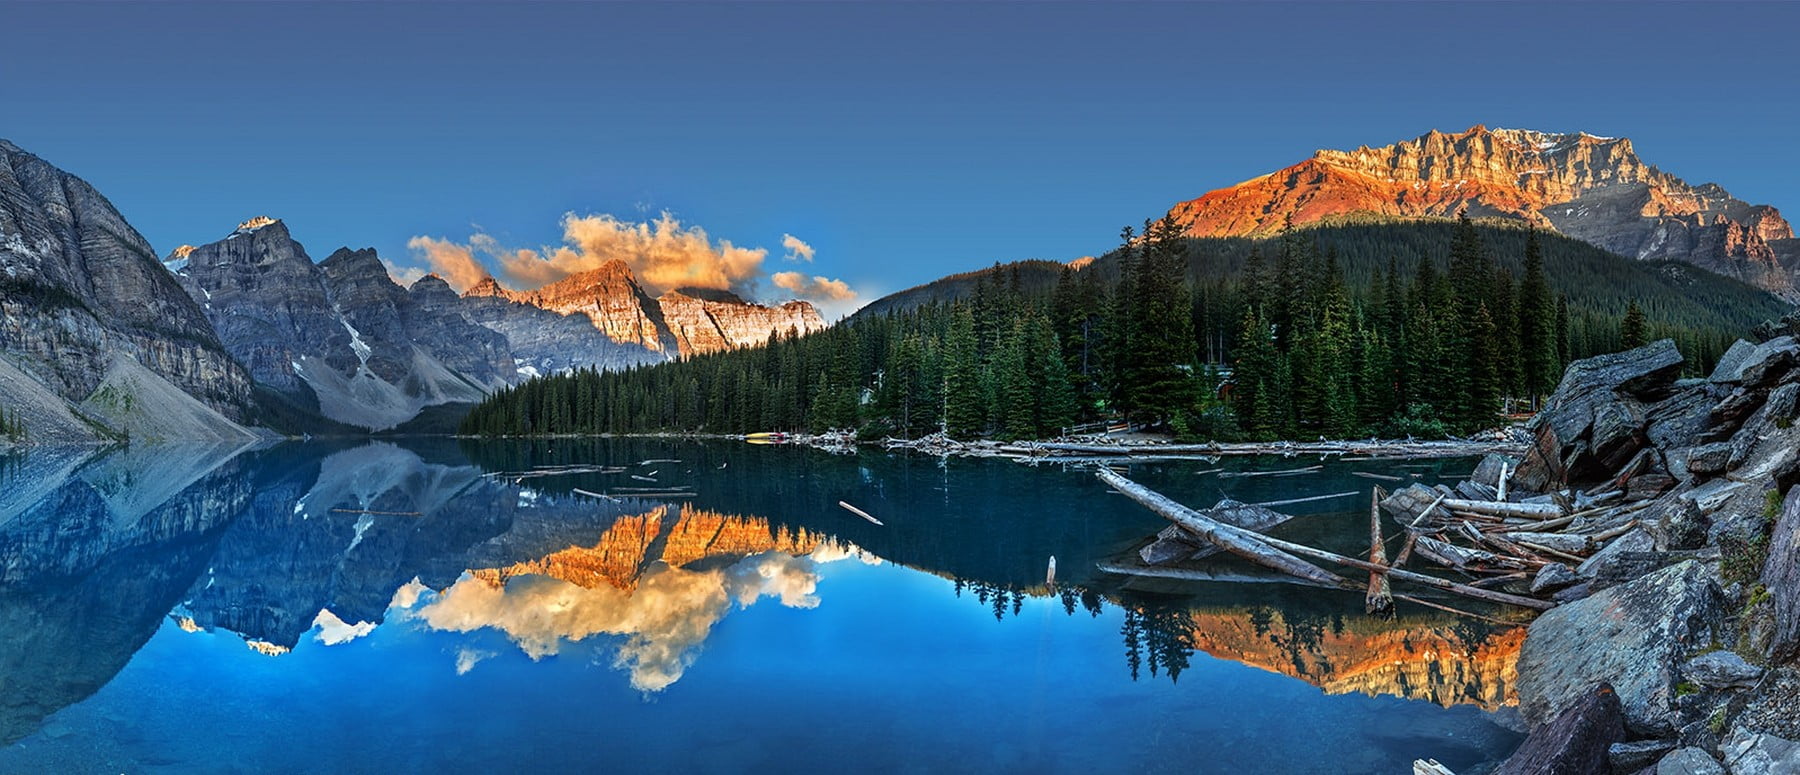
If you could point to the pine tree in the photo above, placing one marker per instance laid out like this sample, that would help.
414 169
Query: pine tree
965 407
1539 341
1633 331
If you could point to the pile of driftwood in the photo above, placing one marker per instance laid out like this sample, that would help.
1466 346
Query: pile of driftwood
1508 549
1096 449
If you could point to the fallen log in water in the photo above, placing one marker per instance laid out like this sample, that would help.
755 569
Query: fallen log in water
1570 543
859 512
1240 542
1308 499
1261 545
1501 509
1173 543
1287 472
1380 597
1381 477
1199 574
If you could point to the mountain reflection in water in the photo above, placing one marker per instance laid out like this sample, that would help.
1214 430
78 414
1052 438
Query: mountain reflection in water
306 546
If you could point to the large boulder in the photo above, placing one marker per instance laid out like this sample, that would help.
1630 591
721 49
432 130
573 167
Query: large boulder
1781 575
1597 418
1761 365
1575 742
1634 637
1765 445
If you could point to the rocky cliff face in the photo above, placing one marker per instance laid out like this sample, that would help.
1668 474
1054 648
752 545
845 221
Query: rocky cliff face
1595 189
340 335
80 289
704 322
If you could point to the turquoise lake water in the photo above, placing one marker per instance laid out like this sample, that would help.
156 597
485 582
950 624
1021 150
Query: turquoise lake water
436 606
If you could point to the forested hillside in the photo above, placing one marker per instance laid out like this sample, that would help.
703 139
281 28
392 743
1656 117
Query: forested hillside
1340 331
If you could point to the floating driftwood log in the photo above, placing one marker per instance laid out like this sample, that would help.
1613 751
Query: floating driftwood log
859 512
1380 598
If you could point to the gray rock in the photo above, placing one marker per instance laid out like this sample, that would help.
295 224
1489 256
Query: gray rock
1689 761
1621 552
1709 459
1634 756
1762 365
1760 753
1487 472
1781 576
1553 577
1575 741
1721 670
1709 497
1732 362
1766 442
1633 637
1682 419
1676 523
1596 419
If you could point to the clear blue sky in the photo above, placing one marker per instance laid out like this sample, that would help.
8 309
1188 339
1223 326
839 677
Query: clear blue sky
903 142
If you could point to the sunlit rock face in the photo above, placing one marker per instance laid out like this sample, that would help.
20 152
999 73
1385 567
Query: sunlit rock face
79 286
1434 658
687 321
676 536
1595 189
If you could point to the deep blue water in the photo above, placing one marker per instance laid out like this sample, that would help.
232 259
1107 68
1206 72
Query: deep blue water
217 610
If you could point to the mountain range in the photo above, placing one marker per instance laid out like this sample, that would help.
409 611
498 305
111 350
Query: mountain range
101 339
1594 189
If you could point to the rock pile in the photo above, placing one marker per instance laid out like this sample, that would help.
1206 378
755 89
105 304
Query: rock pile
1690 613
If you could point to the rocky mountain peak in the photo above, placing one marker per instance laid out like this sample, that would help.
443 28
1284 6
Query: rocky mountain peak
256 223
1590 187
362 262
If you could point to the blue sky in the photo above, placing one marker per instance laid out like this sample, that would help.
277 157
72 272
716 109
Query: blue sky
902 142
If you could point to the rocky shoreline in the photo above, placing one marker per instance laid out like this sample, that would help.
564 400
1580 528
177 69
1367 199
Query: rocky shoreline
1673 649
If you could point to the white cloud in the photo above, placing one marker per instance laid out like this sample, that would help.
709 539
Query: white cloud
796 249
404 275
467 658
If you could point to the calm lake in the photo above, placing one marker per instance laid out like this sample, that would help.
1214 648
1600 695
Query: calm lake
444 606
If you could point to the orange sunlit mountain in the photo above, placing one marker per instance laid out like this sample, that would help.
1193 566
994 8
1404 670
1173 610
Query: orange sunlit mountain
1595 189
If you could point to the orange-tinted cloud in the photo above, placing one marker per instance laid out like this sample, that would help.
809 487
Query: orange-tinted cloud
664 254
455 263
815 288
797 250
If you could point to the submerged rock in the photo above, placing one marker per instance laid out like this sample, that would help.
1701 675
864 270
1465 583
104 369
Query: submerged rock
1632 636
